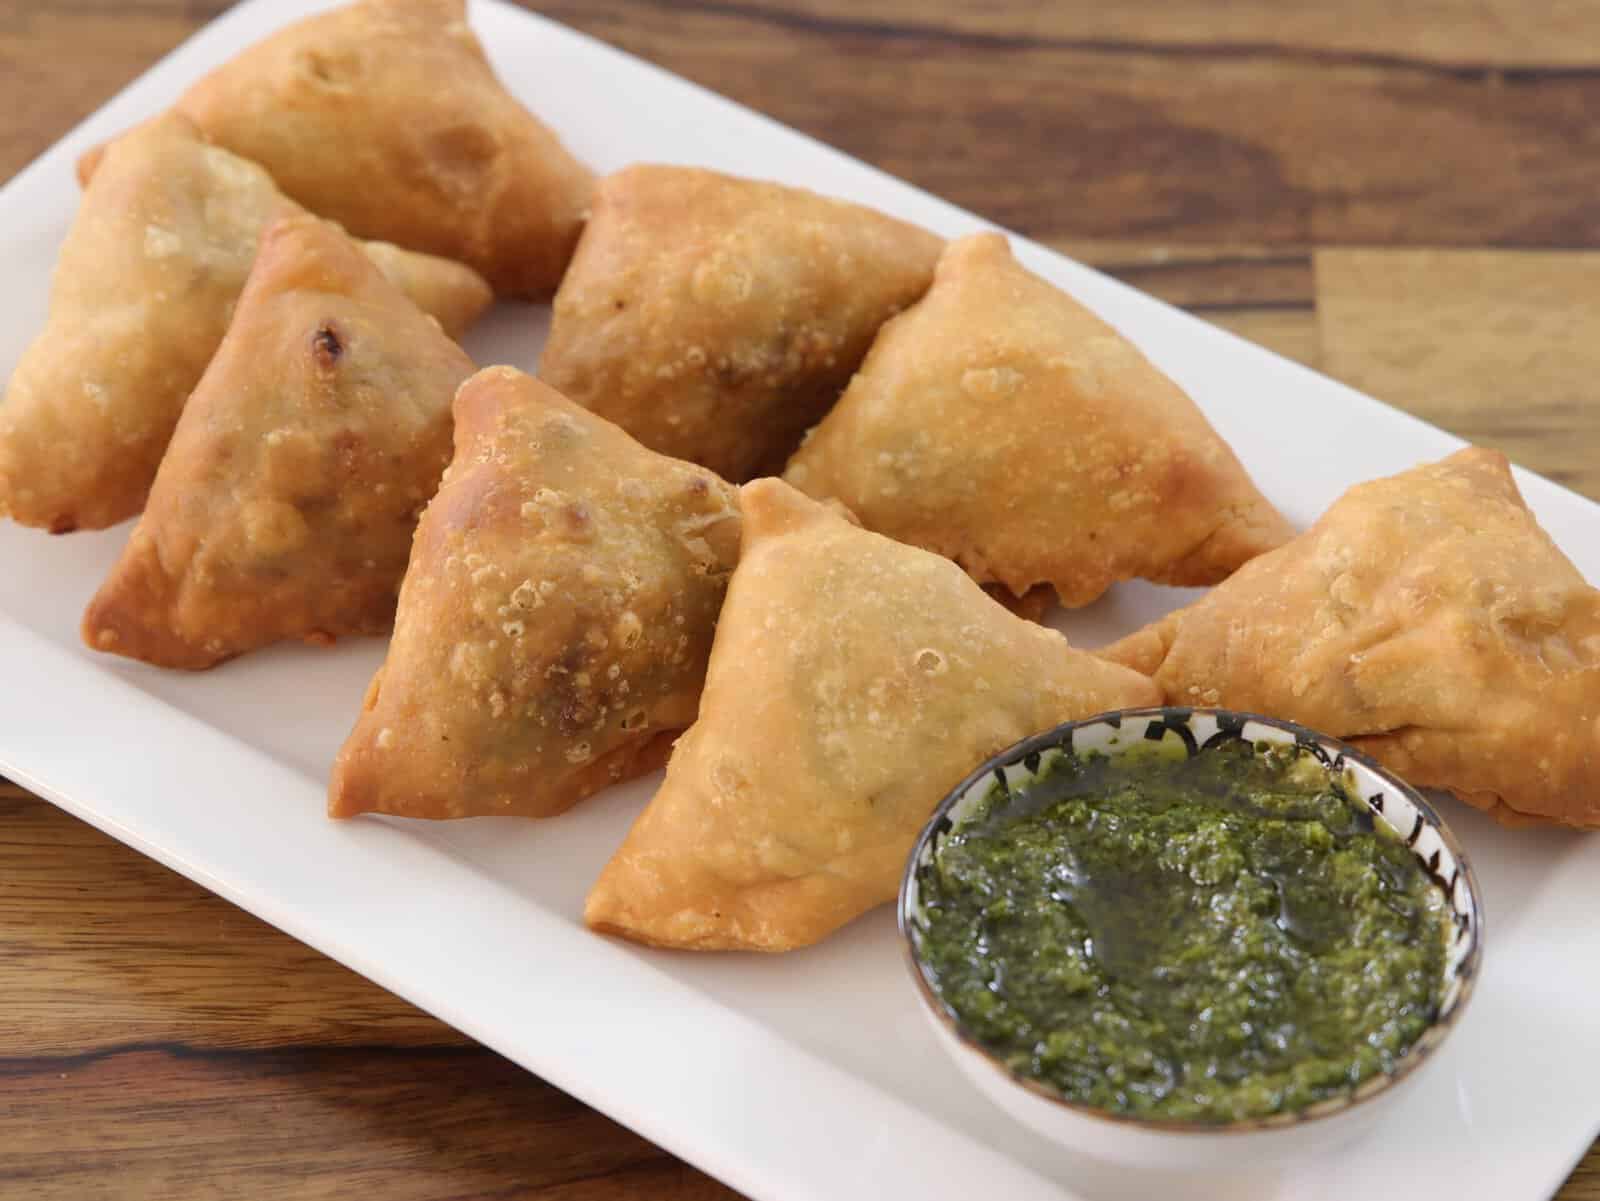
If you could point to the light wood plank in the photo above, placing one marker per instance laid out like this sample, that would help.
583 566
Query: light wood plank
1501 348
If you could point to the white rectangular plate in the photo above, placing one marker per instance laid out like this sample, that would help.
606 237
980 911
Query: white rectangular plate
804 1076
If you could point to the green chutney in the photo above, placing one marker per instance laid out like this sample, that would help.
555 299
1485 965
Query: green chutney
1195 939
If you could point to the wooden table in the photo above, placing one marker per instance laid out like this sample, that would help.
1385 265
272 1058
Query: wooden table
1406 196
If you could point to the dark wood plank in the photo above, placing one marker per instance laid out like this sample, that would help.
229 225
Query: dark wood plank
1456 36
314 1122
1584 1183
1061 137
161 1043
1204 278
1210 144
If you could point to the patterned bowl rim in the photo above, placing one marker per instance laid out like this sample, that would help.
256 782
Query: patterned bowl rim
1333 754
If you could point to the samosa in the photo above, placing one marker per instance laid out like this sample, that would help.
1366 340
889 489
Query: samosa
716 319
1002 424
554 623
287 499
144 290
452 293
1426 618
853 682
386 116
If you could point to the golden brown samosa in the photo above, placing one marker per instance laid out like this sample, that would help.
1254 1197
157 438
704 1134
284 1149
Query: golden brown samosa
143 293
1427 618
716 318
286 502
452 293
555 620
386 116
853 682
1004 425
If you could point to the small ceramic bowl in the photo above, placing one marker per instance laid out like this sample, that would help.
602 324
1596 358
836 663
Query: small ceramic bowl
1174 1145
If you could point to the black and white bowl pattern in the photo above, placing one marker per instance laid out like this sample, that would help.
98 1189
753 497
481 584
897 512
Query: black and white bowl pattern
1181 1145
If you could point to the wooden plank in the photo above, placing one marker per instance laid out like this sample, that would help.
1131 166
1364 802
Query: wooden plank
314 1123
1203 277
161 1043
1453 35
104 947
61 61
1060 141
1584 1183
1501 348
1456 36
1068 141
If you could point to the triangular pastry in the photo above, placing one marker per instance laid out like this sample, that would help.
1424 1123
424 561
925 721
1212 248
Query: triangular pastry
554 623
853 682
1428 619
1002 424
287 499
386 116
716 319
144 290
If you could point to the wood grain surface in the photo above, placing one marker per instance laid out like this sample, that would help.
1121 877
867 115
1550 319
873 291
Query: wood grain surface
1403 195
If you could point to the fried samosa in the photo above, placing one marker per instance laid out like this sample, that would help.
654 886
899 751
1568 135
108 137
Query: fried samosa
1005 426
143 293
452 293
554 623
853 682
286 502
716 319
386 116
1427 618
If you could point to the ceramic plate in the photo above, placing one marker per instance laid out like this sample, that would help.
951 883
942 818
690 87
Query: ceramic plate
806 1076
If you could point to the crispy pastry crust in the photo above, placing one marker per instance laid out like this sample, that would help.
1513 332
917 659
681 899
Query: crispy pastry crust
143 293
285 504
854 680
716 319
1003 425
386 116
554 623
1427 618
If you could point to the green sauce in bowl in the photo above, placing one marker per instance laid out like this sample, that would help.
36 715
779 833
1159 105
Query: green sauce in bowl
1197 939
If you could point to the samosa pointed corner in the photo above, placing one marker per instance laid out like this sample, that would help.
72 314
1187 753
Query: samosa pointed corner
386 116
1426 618
1001 423
853 681
285 503
143 293
555 619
